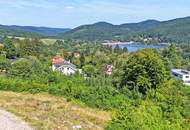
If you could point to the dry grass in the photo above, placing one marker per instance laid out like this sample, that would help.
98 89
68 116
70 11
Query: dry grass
45 112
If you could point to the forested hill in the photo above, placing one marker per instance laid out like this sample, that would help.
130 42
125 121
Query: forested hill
31 31
177 30
107 31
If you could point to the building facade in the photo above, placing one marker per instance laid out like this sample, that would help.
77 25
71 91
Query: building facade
181 75
63 66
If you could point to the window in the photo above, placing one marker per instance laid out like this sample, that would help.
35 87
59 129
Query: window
176 75
186 77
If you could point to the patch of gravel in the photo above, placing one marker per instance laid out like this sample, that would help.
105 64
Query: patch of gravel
10 122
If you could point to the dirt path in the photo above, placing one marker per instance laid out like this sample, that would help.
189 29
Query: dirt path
10 122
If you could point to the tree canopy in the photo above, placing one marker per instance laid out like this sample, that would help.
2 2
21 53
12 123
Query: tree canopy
143 70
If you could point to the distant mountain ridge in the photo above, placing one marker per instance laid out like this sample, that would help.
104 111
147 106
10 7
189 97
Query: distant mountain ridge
107 31
15 30
176 30
42 30
141 25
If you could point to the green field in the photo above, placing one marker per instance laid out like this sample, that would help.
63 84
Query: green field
47 41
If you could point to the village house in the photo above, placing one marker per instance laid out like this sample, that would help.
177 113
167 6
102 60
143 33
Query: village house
182 75
76 54
108 69
63 66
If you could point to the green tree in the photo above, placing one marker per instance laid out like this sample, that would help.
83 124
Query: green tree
30 47
3 63
172 55
89 69
173 60
21 68
2 49
117 49
9 48
125 49
82 60
100 58
143 70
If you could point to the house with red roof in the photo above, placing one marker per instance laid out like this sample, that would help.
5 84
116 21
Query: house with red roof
61 65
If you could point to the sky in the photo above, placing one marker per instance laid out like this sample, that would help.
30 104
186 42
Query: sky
72 13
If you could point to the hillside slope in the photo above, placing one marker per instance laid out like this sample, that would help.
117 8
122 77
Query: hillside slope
45 112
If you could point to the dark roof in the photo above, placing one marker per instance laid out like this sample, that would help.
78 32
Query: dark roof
181 72
65 63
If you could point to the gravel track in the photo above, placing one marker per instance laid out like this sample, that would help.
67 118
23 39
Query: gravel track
10 122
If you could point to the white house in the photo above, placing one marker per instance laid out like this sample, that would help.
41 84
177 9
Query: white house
181 75
65 67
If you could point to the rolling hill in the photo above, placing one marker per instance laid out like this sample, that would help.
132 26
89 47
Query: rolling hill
107 31
176 30
31 31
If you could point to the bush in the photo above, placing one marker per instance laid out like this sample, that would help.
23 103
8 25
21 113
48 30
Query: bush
166 109
17 85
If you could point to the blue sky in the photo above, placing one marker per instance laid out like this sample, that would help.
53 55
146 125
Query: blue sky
72 13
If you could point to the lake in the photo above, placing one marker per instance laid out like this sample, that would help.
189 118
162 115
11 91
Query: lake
136 47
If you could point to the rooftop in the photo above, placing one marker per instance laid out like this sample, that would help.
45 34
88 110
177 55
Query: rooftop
65 63
180 71
57 60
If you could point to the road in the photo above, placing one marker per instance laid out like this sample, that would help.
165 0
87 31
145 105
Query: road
10 122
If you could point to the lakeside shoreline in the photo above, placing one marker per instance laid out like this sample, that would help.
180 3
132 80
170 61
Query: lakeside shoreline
119 43
132 43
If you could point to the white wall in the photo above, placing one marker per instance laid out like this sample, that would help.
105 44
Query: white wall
66 70
53 67
186 78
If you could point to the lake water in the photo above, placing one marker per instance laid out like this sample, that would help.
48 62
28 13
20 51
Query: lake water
136 47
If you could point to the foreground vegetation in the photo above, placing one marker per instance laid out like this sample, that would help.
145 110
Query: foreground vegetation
140 89
167 109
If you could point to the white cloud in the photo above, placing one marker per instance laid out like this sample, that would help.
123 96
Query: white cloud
69 7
